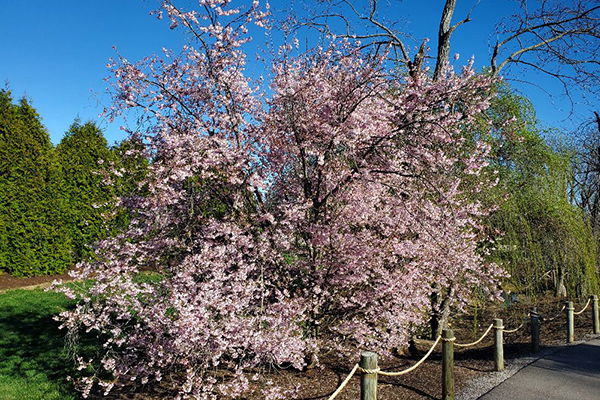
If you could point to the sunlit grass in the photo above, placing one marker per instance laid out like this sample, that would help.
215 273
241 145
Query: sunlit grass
33 362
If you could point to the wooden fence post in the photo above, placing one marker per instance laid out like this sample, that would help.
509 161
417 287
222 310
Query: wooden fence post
368 382
595 314
535 330
570 321
499 345
447 364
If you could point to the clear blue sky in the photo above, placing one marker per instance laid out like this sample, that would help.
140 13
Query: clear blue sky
55 52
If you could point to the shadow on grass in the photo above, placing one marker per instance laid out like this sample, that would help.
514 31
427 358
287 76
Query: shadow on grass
33 361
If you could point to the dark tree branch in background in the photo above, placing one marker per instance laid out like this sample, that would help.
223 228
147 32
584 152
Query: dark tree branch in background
379 33
586 182
559 38
383 34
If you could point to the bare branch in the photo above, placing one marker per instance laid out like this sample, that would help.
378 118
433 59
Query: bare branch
384 32
560 39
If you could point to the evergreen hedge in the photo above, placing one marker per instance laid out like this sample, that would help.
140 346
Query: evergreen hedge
85 159
34 237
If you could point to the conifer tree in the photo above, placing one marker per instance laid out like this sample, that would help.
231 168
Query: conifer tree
33 236
84 155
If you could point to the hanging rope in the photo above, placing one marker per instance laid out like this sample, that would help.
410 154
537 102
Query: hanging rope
514 330
477 341
584 308
525 321
344 383
380 372
406 371
556 316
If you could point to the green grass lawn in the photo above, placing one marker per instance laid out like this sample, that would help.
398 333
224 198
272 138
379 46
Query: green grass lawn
33 362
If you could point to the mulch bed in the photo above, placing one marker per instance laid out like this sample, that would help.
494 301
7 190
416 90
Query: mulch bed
424 383
320 383
13 282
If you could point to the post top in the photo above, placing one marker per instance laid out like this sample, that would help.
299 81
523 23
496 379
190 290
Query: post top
569 305
447 334
368 360
368 354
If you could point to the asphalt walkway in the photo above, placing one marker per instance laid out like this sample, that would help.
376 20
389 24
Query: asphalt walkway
572 373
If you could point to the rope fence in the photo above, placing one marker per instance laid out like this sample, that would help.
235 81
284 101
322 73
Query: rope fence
514 330
406 371
378 371
477 341
557 315
584 308
344 383
370 370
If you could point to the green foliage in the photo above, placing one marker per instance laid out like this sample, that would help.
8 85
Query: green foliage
129 159
546 243
34 362
132 165
84 156
33 234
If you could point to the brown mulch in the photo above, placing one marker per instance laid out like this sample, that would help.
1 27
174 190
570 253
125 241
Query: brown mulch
13 282
320 383
425 382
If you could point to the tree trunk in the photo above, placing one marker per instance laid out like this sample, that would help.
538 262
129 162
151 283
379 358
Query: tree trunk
444 33
434 321
441 314
560 290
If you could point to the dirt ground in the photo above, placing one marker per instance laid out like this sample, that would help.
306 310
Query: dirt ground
12 282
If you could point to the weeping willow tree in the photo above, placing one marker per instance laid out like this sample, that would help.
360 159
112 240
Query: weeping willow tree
546 244
543 240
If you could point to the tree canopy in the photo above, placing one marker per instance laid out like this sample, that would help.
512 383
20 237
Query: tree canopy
287 224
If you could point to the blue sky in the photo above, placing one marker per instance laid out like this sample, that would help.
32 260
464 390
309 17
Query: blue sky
55 52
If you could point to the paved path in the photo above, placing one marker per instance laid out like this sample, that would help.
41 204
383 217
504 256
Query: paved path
569 374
